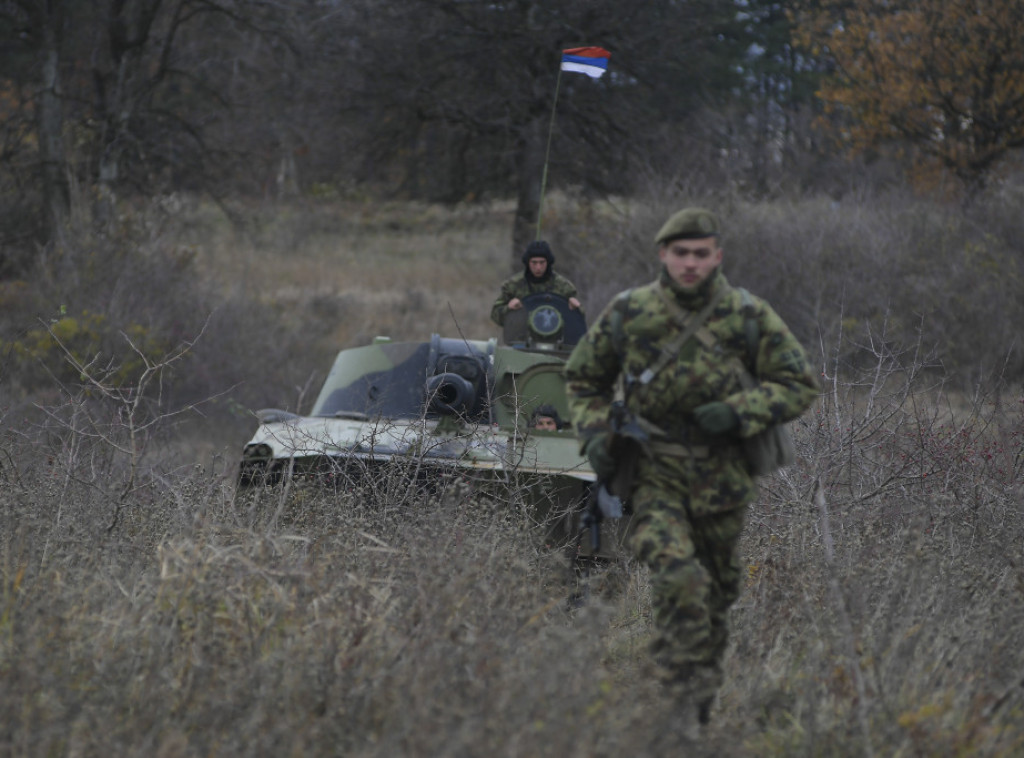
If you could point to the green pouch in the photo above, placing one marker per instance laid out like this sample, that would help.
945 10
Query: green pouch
770 450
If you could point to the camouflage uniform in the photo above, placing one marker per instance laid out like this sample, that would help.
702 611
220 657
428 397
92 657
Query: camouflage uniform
518 286
688 509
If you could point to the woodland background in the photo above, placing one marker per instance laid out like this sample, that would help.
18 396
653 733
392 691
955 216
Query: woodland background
866 157
201 201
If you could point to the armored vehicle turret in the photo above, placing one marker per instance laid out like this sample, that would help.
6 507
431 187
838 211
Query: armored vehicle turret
442 407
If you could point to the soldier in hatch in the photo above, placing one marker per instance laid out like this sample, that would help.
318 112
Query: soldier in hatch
546 418
692 485
538 276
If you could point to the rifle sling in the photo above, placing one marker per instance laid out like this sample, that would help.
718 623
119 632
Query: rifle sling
689 323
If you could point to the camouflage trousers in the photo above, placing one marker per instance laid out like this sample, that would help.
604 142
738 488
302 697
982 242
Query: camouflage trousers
695 577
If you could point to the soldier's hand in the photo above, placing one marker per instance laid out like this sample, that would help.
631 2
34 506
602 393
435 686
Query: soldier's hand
600 456
515 304
716 418
573 303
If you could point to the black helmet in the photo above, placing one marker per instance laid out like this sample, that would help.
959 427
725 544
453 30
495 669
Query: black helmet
538 249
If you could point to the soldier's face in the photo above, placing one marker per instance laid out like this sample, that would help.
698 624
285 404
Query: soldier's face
690 261
546 423
538 266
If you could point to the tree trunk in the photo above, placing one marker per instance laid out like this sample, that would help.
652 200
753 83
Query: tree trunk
529 170
109 163
50 125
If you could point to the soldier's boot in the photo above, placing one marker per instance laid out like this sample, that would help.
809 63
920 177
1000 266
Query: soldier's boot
704 710
682 688
687 723
692 689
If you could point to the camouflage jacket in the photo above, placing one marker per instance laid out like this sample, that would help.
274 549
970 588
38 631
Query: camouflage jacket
518 286
628 338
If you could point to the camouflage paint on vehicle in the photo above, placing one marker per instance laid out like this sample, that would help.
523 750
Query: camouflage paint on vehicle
456 406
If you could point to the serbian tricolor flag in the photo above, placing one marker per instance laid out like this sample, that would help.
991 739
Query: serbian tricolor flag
592 61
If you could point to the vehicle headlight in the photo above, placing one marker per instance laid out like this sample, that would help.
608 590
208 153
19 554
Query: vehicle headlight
257 452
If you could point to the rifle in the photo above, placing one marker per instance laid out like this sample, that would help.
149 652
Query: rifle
607 495
592 518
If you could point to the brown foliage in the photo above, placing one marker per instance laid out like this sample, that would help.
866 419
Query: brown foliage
942 80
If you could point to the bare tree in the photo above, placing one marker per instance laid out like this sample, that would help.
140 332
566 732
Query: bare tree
124 91
461 93
36 28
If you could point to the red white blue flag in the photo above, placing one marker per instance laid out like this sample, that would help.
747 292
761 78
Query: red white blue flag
592 61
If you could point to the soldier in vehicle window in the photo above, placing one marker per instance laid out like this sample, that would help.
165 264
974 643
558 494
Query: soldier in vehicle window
545 418
538 276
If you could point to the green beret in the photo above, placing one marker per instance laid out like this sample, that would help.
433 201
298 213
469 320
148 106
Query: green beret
689 223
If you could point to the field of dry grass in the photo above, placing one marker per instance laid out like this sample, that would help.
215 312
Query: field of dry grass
149 608
404 270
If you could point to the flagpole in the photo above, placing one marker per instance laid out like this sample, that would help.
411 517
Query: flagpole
547 152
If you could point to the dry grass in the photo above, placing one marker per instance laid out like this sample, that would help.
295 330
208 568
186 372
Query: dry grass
147 608
313 622
405 270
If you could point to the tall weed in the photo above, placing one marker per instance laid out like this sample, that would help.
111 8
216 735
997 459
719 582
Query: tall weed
880 615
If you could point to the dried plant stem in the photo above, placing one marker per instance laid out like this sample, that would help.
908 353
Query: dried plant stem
845 625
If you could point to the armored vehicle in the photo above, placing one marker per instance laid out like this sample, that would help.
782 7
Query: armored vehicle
446 407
